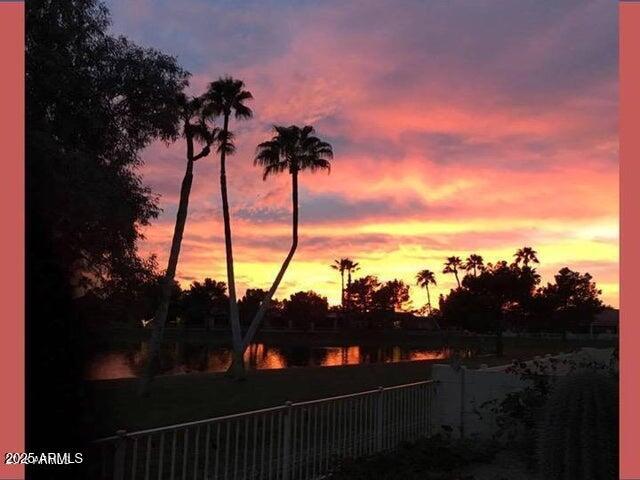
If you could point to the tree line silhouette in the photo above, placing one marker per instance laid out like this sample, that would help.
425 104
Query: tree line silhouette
489 299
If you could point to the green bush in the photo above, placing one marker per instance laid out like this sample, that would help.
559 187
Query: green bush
578 431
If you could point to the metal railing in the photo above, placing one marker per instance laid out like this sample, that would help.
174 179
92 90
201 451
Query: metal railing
296 441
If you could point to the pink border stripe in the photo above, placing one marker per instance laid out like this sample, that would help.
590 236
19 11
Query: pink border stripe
630 239
12 236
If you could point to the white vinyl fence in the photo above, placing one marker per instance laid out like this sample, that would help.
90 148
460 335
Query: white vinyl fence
295 441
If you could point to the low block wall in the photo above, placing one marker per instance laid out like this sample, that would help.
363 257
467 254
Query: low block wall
460 392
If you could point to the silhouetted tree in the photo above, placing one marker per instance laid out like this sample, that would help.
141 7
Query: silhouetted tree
474 263
345 265
424 278
351 268
340 266
361 293
368 295
572 300
195 130
526 255
293 150
227 96
392 296
249 304
452 265
485 301
306 308
94 101
203 300
131 298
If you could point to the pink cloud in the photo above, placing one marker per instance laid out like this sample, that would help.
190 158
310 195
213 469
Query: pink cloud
483 126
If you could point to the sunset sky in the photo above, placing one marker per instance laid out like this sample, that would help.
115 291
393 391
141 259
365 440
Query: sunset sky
457 126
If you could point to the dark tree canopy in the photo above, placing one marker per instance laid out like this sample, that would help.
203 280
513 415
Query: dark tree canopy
499 291
392 296
367 294
250 302
507 295
204 299
571 301
303 308
93 102
361 293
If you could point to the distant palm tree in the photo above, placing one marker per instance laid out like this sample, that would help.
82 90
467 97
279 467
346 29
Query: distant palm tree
424 278
451 266
351 268
224 97
526 255
474 263
195 130
292 149
341 266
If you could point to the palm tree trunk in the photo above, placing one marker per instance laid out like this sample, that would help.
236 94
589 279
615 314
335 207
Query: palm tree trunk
234 317
160 317
428 299
342 290
257 320
348 301
455 272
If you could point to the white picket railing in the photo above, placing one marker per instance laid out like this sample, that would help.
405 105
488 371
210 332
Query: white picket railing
296 441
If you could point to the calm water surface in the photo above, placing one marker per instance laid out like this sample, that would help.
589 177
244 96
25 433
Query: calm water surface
179 358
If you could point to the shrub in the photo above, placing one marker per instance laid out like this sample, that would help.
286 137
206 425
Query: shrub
578 432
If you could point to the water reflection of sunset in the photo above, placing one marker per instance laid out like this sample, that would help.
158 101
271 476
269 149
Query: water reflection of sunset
180 357
260 357
429 355
109 365
341 356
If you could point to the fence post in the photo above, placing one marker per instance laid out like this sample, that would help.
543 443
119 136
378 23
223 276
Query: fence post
119 457
286 442
380 419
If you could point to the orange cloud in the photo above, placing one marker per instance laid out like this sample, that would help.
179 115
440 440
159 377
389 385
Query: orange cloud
458 127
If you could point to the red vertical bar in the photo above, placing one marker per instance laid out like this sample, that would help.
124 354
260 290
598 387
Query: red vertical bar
12 235
629 239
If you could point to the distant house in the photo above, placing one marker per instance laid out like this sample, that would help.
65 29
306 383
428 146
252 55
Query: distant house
606 321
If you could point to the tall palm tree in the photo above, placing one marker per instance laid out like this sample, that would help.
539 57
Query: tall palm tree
292 149
227 96
451 265
474 263
424 278
526 255
195 130
341 266
350 267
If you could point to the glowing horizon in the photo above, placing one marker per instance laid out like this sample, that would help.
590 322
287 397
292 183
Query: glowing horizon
457 128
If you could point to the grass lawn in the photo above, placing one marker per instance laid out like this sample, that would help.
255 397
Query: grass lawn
196 396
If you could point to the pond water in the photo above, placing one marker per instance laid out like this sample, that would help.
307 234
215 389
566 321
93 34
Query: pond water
180 357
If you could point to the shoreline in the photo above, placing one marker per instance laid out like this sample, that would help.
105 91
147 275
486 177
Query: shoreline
115 404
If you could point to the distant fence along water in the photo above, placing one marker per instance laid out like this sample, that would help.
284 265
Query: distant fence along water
304 440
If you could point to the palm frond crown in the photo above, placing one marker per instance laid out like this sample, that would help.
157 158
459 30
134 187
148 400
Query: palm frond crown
294 149
227 95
